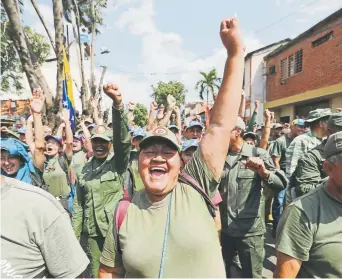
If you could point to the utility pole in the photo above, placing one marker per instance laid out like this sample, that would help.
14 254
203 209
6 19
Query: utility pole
92 57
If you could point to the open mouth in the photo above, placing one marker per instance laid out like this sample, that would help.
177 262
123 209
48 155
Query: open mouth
8 169
49 149
157 171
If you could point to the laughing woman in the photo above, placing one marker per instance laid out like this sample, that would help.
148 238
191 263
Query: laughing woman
100 184
167 230
55 168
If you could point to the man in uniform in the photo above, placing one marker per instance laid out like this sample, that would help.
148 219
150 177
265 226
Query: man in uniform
317 121
195 129
277 153
247 169
309 172
309 235
100 185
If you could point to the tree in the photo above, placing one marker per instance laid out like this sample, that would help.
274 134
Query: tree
140 115
208 84
174 88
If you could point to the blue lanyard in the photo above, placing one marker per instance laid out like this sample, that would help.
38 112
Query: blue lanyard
166 233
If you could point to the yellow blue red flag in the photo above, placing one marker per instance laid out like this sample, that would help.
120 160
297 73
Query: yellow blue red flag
68 94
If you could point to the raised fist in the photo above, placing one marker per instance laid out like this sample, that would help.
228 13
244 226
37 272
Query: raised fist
153 106
65 115
231 36
171 102
267 114
37 101
112 91
256 103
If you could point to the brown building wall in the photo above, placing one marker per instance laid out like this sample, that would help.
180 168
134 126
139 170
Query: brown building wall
322 65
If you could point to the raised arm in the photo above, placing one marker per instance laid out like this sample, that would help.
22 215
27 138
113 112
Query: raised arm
68 133
251 126
267 130
171 104
130 113
87 136
151 117
29 134
215 143
121 136
94 103
37 104
242 107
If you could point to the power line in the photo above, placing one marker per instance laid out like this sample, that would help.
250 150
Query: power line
205 54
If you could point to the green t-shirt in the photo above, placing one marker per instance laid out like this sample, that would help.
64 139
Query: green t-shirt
193 248
36 235
278 150
311 230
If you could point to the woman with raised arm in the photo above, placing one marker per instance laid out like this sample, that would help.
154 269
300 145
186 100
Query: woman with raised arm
168 229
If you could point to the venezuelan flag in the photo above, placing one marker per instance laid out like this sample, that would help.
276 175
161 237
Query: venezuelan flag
68 95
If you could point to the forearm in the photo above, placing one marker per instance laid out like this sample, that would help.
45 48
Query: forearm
130 117
150 121
111 272
69 140
276 162
265 134
60 131
242 107
96 117
179 121
29 137
251 122
166 118
39 143
87 136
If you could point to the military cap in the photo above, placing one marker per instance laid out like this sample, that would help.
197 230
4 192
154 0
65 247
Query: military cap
333 145
318 114
335 119
102 132
195 124
189 143
277 126
160 132
173 127
139 132
56 138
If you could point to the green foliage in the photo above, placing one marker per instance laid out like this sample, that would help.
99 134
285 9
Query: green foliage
140 115
11 70
174 88
85 15
208 84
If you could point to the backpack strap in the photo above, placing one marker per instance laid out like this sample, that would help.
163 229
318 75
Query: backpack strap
119 216
187 179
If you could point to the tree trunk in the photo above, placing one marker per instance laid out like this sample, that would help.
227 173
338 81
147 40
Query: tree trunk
92 57
36 7
59 39
20 42
99 90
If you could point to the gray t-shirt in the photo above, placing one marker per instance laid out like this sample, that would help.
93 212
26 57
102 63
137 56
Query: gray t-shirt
37 239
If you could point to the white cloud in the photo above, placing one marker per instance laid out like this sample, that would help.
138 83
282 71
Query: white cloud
163 52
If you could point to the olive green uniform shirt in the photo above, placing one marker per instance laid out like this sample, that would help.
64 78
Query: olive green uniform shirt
242 208
100 185
193 248
278 150
78 161
56 178
310 230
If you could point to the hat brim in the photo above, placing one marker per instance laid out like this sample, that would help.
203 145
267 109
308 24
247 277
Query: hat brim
52 137
101 137
317 118
195 126
145 141
192 145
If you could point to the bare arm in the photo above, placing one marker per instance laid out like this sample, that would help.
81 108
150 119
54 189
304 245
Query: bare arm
276 162
37 103
29 134
266 131
178 119
150 120
171 105
214 145
68 132
130 113
111 272
242 107
287 267
60 130
87 136
94 104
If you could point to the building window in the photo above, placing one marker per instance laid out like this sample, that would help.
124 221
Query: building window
283 74
291 65
272 70
322 39
299 61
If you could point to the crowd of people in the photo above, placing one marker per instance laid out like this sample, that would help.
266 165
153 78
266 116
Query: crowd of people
175 198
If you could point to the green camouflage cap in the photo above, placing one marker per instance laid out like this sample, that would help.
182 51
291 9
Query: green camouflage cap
12 134
335 120
333 145
160 132
317 114
102 132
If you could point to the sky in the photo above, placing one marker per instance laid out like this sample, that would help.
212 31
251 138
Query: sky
159 40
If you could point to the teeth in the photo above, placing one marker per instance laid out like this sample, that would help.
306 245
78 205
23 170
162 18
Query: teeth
157 169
